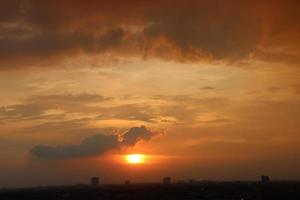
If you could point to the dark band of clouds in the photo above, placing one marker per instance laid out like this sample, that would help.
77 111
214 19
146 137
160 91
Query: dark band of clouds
94 145
42 31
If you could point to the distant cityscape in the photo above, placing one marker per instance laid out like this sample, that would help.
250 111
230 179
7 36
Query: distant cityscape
95 181
167 189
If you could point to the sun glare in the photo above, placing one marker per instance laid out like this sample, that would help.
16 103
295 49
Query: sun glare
135 158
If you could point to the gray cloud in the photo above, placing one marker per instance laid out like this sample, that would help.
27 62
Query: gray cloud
195 29
219 30
94 145
49 43
135 134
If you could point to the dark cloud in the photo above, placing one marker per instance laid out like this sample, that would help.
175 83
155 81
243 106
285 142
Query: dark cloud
34 31
8 10
135 134
94 145
216 29
52 42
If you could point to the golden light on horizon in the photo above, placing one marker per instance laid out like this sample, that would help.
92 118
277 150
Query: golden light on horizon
135 158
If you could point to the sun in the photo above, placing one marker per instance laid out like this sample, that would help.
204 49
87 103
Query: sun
135 158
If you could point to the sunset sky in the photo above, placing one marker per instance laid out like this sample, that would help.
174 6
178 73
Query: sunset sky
203 89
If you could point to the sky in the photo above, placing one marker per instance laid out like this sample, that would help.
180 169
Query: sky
208 90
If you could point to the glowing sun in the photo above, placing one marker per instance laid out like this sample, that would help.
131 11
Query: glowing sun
135 158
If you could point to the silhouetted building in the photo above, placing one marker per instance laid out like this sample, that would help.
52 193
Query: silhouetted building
181 181
265 179
95 181
127 182
192 180
167 180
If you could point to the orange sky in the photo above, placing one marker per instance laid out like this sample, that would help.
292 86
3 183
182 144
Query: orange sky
207 89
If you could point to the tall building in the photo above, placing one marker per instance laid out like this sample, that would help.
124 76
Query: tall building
167 180
265 179
95 181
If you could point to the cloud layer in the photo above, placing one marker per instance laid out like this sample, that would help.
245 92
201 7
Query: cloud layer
94 145
44 31
135 134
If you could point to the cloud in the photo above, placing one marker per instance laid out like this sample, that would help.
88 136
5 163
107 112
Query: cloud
59 110
207 88
197 29
273 89
53 43
216 121
297 89
36 107
128 112
135 134
94 145
70 98
21 112
37 31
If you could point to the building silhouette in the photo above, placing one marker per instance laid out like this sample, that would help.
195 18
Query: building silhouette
95 181
167 180
265 179
192 180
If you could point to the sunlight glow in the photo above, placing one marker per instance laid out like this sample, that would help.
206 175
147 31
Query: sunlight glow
135 158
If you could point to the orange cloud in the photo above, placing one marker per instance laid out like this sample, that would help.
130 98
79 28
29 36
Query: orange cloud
191 30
